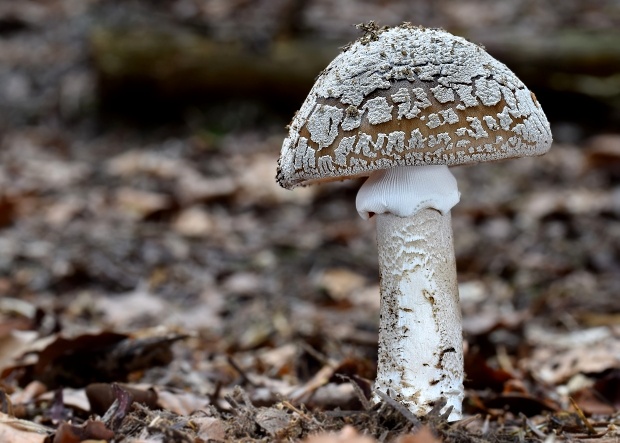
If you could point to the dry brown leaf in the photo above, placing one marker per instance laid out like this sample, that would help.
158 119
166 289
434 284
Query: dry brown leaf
101 396
74 398
570 201
209 428
348 434
39 167
243 283
278 423
341 284
559 356
92 430
205 315
190 185
179 402
22 431
8 211
61 212
132 308
78 360
132 163
139 203
423 435
194 222
334 396
277 358
319 379
193 187
603 152
33 390
15 344
591 402
256 181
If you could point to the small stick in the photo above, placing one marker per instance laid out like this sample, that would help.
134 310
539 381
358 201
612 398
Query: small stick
582 416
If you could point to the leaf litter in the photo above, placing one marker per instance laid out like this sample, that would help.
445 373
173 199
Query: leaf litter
163 288
267 360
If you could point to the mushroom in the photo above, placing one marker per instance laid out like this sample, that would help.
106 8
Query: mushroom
399 106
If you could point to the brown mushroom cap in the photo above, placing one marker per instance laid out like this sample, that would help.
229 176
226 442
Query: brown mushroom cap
410 96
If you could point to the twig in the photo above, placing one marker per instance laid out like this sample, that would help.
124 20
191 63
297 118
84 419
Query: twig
399 407
466 421
240 371
532 426
298 411
366 404
325 360
582 416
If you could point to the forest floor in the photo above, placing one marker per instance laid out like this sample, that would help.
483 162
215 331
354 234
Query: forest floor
157 285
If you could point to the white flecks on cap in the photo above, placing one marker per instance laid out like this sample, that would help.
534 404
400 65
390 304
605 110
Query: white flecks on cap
425 83
403 191
323 124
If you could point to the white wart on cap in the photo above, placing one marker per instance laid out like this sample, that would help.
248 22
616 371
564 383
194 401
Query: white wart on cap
410 96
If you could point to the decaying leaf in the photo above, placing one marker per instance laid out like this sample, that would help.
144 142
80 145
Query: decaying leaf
278 423
180 402
101 396
209 428
91 430
603 152
140 203
13 345
559 356
342 284
348 434
106 356
22 431
422 435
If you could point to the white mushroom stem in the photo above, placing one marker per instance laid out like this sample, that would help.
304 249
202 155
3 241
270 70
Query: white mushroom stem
420 336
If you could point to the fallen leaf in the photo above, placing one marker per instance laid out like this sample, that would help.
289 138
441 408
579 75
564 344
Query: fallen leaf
190 186
603 152
33 390
100 396
193 187
608 386
22 431
341 284
209 428
423 435
256 182
140 204
91 430
592 402
194 222
13 345
180 402
135 162
8 211
102 357
348 434
278 423
137 307
559 356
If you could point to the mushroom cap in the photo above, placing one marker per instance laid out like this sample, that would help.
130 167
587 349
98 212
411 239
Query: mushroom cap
410 96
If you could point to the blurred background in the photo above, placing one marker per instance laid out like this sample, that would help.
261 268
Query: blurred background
138 149
225 65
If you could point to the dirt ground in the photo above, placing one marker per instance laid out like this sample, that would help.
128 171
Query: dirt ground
158 286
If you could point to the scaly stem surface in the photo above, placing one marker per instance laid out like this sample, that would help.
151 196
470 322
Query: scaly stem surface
420 336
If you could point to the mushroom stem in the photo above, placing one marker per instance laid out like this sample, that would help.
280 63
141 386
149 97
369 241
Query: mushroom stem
420 340
420 333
